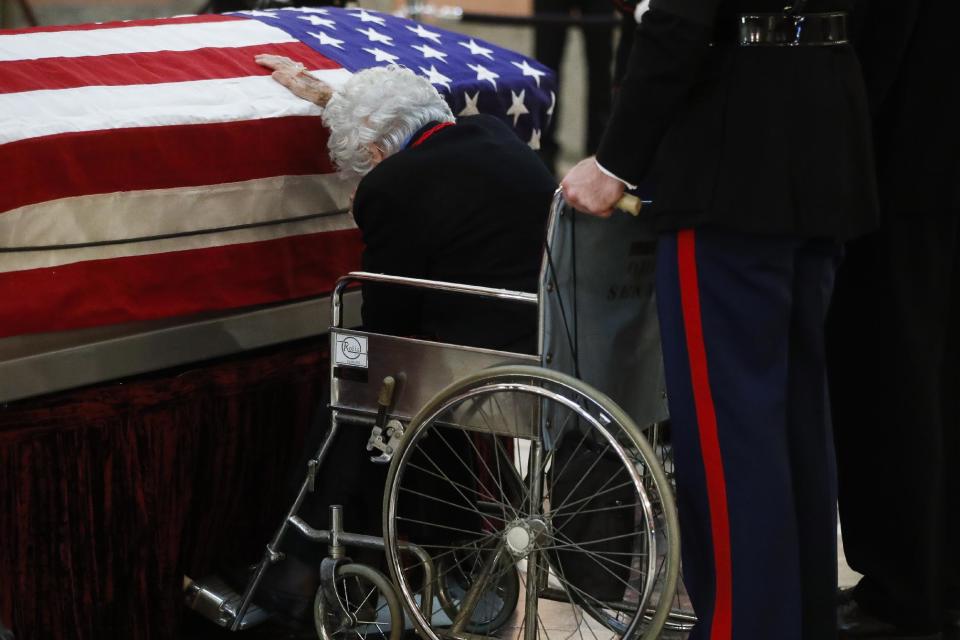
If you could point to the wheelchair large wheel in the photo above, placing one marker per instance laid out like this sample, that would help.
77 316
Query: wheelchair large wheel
518 468
682 617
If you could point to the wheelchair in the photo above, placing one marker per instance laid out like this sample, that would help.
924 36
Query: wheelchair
519 501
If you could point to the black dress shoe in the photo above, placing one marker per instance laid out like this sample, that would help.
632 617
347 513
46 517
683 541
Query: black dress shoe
845 595
952 618
951 624
853 622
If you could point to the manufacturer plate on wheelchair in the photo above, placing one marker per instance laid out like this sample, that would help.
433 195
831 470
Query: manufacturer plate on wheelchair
351 351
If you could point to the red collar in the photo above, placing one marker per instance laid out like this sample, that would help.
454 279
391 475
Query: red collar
429 132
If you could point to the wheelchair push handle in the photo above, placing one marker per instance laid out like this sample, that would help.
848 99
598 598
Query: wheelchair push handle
629 203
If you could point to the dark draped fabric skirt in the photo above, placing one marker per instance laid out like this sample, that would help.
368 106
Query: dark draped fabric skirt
110 494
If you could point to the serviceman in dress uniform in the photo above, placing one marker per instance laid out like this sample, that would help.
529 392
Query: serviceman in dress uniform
892 337
752 122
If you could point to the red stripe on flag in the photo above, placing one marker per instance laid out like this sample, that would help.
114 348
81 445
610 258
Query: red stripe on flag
150 68
84 163
150 22
720 626
101 292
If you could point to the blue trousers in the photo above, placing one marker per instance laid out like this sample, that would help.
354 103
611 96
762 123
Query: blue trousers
742 320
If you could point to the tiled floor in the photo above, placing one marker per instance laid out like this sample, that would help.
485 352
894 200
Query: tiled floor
557 621
847 576
562 619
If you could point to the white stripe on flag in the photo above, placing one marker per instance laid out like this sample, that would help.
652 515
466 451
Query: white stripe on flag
153 212
31 114
44 259
139 39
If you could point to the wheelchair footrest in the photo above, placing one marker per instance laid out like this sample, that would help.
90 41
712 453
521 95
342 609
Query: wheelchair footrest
215 600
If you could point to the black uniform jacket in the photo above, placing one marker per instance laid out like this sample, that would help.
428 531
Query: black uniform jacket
469 204
769 140
904 48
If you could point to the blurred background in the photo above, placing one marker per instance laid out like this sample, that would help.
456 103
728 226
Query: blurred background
571 129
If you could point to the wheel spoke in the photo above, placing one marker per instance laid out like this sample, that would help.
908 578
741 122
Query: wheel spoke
602 563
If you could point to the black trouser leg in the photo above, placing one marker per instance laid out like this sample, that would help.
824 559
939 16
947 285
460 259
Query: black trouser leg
598 43
548 49
887 342
810 439
951 443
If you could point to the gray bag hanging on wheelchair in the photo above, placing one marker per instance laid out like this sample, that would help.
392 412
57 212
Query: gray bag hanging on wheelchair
601 312
601 326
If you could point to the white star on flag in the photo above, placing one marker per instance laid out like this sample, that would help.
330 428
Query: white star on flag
476 49
259 14
534 139
435 77
485 74
366 17
518 108
320 22
471 109
306 10
423 33
327 40
381 55
375 36
429 52
529 71
553 103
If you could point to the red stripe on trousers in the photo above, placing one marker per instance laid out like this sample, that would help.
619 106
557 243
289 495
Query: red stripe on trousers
721 625
119 24
85 163
160 285
120 69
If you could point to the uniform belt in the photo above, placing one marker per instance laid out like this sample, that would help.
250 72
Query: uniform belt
791 30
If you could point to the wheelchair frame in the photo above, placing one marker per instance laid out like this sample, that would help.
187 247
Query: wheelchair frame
417 375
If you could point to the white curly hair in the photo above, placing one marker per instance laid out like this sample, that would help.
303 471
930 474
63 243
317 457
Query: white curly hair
382 106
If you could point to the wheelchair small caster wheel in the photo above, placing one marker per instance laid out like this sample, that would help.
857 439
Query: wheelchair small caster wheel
366 606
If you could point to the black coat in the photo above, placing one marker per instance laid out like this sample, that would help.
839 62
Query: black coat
467 205
765 139
904 48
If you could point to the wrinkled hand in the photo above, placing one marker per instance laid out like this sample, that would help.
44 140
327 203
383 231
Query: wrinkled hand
588 189
293 76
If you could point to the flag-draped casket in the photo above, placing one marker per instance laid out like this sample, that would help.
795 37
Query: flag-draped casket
152 169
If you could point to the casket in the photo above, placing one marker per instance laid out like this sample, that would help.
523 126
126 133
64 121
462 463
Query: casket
152 171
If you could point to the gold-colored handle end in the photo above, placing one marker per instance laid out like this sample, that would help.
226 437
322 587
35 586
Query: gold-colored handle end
630 203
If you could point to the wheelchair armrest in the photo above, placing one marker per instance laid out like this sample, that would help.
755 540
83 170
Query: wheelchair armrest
419 283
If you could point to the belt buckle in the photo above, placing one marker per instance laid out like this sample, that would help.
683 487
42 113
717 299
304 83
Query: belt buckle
791 29
798 23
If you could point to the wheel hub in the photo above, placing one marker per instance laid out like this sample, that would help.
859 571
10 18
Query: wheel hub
522 535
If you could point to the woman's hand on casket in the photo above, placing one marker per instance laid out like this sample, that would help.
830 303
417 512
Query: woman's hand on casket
294 76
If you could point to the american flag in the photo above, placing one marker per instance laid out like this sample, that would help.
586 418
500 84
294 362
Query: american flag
152 168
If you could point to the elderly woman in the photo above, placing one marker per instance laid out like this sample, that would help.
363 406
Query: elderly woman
438 198
461 200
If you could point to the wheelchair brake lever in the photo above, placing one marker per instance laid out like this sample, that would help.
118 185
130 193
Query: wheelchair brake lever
385 436
386 441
